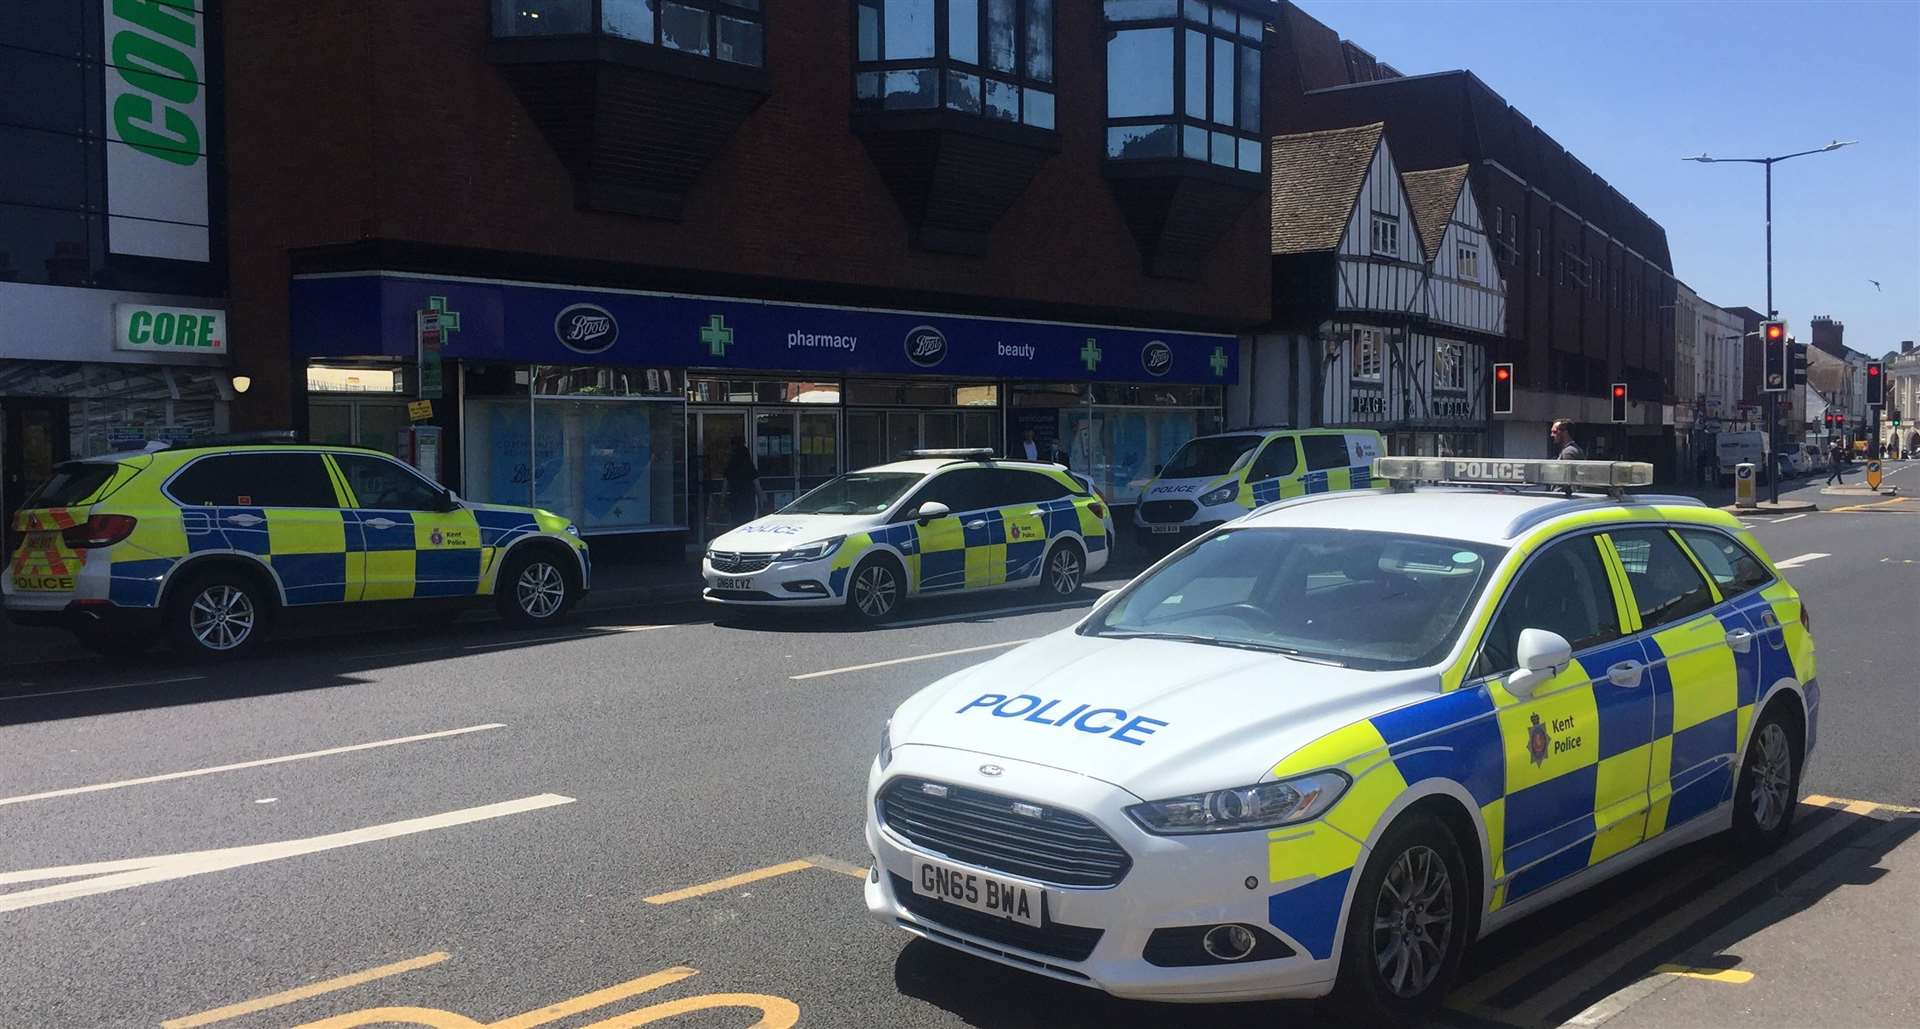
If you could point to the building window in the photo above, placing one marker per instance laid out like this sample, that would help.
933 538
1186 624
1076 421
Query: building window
1366 354
1386 234
1449 366
1539 254
733 31
1466 263
993 58
1183 80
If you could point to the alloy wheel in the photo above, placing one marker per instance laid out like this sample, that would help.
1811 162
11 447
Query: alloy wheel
541 590
875 590
1413 921
221 618
1772 777
1063 572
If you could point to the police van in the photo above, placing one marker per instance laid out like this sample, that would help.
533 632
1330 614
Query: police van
1325 748
1215 479
947 521
207 545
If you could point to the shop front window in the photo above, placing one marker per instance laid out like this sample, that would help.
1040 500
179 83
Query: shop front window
1183 81
992 58
1117 434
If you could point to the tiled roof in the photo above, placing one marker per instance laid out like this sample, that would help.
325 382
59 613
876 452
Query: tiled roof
1316 178
1433 195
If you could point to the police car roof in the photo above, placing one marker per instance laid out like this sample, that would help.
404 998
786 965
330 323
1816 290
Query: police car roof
924 465
1474 514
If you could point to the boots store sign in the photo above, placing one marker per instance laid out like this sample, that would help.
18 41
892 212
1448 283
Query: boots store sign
156 118
367 314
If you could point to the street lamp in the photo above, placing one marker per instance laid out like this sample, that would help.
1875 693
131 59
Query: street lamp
1773 489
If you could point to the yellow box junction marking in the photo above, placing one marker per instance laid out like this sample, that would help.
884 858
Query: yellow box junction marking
299 993
1718 975
771 871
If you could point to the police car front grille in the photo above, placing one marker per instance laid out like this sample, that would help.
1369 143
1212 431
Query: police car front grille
738 564
1167 510
1066 942
981 829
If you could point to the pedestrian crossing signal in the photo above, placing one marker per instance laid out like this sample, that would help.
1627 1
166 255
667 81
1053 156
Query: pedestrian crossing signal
1503 388
1619 402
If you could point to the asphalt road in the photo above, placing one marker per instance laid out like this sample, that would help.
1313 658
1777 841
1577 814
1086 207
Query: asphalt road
537 820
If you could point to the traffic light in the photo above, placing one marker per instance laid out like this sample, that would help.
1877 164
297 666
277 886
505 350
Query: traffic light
1876 385
1797 366
1619 402
1773 344
1503 388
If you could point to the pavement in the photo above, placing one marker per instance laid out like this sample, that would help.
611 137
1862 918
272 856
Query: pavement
652 815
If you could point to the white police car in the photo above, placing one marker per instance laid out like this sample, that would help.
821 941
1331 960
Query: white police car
1331 743
946 522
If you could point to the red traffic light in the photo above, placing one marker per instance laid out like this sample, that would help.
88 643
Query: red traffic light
1775 331
1502 372
1873 369
1619 391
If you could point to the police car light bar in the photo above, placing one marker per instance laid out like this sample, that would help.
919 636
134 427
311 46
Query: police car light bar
1609 475
962 452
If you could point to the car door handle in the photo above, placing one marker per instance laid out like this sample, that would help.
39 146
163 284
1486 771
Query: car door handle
248 520
977 523
380 523
1740 640
1626 673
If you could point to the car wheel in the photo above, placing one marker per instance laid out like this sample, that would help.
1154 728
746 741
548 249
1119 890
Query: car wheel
1408 926
535 588
218 615
1769 788
875 590
1064 570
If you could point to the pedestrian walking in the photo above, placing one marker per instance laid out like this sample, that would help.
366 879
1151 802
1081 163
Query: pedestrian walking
1837 463
1563 447
743 484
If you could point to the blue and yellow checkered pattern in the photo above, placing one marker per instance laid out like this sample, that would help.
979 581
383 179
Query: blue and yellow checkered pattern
975 549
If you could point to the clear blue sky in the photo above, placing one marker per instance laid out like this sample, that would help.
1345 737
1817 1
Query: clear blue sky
1630 87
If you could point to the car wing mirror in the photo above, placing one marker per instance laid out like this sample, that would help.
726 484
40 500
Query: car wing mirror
1543 654
449 501
930 510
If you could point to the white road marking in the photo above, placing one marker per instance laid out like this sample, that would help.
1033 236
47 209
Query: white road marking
1789 518
115 686
1795 562
907 660
994 613
109 876
256 763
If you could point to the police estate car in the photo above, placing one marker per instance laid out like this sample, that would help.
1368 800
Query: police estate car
947 521
1214 479
1332 743
208 544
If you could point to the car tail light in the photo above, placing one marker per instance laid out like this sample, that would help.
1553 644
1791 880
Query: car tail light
98 531
1098 510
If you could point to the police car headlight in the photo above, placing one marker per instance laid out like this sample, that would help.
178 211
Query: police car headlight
886 745
813 551
1220 496
572 529
1263 806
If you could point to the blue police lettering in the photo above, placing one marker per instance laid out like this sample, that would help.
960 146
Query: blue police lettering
1115 723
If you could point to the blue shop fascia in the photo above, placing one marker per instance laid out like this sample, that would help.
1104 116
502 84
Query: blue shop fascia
629 411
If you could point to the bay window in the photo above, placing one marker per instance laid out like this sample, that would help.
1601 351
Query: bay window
1183 81
992 58
733 31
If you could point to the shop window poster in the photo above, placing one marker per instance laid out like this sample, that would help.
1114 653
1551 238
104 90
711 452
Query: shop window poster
616 473
510 469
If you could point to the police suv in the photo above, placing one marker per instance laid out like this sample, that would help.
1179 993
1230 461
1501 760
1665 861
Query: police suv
207 545
1327 746
947 521
1215 479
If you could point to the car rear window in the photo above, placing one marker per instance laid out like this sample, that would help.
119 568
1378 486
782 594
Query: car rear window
73 483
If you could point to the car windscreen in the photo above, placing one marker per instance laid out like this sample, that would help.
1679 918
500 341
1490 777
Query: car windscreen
1208 455
73 482
1371 600
855 493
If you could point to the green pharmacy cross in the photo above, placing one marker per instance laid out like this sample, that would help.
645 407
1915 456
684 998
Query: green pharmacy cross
1090 354
1219 361
449 320
716 335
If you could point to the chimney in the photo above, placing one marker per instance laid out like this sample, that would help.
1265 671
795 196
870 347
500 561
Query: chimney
1906 346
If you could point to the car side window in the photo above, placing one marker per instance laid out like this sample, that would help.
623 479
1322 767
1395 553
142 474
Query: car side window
962 489
1563 589
1017 486
1733 569
1282 457
1666 586
1325 451
389 485
255 480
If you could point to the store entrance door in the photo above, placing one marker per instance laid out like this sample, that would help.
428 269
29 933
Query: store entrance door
361 422
33 437
718 437
796 450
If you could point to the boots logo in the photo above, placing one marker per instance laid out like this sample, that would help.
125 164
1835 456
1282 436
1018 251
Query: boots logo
1157 358
926 346
586 328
